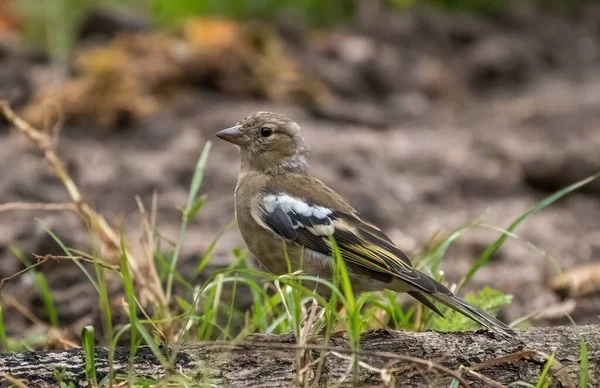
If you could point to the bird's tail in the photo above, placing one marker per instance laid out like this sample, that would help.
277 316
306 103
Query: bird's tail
479 316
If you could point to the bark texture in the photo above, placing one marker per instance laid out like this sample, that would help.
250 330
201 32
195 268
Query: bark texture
276 361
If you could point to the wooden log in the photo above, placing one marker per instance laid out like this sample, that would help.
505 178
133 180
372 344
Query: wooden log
480 359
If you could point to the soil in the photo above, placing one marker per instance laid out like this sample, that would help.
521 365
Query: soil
435 121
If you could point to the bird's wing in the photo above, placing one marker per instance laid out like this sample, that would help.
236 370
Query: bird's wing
310 224
305 211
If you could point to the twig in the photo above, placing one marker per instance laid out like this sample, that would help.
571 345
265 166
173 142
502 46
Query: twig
15 382
303 357
52 331
41 260
501 360
385 374
17 206
151 321
5 280
307 368
80 258
23 310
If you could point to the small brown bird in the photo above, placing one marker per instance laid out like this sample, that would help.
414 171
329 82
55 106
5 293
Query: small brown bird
278 202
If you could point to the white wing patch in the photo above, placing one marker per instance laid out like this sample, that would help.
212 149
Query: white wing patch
313 218
287 203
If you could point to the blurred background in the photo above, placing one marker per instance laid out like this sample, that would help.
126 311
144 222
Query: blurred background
427 115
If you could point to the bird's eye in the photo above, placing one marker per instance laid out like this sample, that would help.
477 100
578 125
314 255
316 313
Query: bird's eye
266 131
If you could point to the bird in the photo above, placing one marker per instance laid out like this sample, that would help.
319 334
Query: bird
290 220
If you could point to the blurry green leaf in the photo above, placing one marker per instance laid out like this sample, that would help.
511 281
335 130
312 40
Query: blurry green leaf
240 253
196 206
185 306
402 4
42 285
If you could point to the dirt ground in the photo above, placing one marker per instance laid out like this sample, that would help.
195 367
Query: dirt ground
435 121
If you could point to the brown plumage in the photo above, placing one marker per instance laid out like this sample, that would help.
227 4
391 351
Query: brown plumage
277 202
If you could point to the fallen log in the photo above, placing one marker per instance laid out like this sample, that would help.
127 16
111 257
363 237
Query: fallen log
476 359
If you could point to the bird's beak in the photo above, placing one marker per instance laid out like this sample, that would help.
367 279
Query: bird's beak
233 135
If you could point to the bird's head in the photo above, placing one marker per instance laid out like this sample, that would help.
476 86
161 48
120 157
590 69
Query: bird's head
269 142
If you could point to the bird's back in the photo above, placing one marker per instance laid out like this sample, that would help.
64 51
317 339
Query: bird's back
309 188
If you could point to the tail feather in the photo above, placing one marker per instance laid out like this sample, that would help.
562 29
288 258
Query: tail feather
479 316
423 299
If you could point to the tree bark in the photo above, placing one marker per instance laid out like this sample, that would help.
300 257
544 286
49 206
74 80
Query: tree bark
276 361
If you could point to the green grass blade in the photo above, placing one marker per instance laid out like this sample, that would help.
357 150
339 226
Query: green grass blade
149 340
131 304
544 380
342 274
68 253
197 178
430 263
105 309
583 365
231 309
188 213
88 345
120 332
3 337
48 300
207 256
352 310
484 258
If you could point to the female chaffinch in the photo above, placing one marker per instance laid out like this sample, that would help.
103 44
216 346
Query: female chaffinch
277 203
